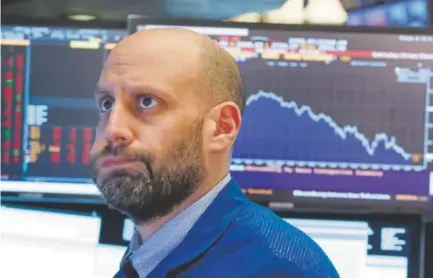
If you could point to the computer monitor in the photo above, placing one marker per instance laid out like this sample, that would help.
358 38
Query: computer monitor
367 248
337 116
48 110
334 150
51 244
56 243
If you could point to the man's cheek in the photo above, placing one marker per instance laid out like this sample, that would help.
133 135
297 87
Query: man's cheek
98 145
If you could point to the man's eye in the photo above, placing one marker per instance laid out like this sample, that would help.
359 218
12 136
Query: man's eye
105 105
147 102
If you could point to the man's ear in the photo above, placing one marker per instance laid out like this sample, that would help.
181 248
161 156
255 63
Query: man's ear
226 121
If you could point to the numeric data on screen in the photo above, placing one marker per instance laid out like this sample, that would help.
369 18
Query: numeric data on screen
48 110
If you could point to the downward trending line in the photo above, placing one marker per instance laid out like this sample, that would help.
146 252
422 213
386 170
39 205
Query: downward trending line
389 141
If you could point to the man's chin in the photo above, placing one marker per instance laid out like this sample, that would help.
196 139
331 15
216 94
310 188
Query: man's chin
120 194
122 172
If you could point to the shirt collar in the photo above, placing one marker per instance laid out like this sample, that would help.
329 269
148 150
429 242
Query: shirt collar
162 242
209 228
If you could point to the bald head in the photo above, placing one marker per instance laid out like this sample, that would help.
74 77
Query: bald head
169 112
198 59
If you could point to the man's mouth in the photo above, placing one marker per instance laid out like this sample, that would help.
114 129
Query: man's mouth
114 161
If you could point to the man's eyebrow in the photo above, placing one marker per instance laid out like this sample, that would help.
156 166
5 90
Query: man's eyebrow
163 92
99 90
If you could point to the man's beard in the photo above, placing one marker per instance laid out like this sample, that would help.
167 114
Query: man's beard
153 192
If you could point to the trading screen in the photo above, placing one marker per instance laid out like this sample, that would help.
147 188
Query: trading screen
48 110
331 115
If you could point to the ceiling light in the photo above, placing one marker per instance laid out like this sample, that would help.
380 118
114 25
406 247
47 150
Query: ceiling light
248 17
328 12
291 12
81 17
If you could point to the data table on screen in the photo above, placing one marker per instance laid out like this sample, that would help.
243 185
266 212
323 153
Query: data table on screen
14 81
61 111
49 115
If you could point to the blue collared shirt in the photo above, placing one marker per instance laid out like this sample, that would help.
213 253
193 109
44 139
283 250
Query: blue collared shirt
145 256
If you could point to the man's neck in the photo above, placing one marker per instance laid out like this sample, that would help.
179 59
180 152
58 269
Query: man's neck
146 230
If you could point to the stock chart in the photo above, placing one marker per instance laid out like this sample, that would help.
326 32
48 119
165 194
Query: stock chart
367 117
329 115
332 115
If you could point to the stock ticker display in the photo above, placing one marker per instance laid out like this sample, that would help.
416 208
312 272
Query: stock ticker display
48 111
329 115
336 115
332 115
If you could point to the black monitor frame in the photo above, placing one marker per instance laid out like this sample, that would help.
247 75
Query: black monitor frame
17 20
428 254
134 20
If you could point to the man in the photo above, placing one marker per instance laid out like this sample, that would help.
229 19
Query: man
170 103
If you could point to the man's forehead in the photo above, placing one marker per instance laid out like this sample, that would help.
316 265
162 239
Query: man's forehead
155 61
161 41
167 61
146 68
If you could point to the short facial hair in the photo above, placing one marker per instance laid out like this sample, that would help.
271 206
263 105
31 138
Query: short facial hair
153 191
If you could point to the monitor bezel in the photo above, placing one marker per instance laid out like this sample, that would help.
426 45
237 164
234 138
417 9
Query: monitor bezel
16 20
93 197
428 247
134 20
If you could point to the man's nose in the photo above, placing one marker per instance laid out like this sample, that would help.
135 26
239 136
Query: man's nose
118 130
